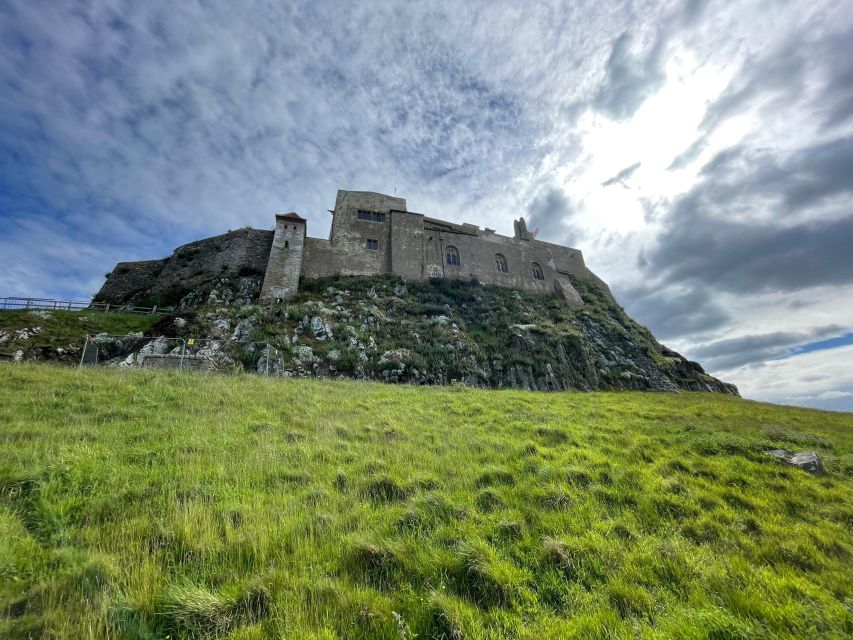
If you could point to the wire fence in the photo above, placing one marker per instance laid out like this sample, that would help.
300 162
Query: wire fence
14 303
205 355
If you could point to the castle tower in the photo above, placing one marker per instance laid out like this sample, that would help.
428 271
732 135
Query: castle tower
285 262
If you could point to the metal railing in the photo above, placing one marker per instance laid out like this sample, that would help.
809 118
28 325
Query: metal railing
49 304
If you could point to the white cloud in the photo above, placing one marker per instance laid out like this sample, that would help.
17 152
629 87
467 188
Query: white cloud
810 379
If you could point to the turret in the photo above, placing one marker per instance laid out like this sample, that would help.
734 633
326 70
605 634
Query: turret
285 261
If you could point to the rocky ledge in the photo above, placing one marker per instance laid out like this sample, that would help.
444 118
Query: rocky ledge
436 332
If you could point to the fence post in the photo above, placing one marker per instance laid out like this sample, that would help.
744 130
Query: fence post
154 309
268 360
83 353
183 351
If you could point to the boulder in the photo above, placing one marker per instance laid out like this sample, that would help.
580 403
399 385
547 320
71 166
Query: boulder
805 460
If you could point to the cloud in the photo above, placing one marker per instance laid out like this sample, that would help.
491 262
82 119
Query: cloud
762 222
632 74
187 120
623 176
802 380
723 355
811 69
630 78
552 212
673 312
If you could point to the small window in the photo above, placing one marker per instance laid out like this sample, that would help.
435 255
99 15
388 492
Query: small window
286 244
452 254
500 263
372 216
372 245
537 271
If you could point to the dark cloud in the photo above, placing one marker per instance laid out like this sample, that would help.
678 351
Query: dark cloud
673 312
551 212
630 78
781 78
735 352
733 231
623 176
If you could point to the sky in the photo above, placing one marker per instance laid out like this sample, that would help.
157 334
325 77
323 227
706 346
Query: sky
699 153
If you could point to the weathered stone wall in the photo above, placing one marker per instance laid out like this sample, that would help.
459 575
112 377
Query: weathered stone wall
285 261
414 247
349 234
477 254
320 258
408 244
240 252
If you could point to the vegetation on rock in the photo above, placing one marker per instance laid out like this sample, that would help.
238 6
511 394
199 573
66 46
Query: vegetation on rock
441 331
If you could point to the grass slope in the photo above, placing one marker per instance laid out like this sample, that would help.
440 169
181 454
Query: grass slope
66 329
141 504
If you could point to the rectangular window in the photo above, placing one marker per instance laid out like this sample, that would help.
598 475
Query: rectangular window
373 216
373 245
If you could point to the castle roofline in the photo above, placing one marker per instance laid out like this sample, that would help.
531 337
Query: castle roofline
291 216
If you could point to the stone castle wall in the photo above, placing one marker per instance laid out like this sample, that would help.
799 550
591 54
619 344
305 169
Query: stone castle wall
414 246
401 242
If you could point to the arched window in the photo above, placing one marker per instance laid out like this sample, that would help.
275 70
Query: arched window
452 254
537 271
500 263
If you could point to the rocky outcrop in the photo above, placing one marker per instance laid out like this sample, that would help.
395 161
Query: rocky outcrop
387 329
441 332
191 267
806 460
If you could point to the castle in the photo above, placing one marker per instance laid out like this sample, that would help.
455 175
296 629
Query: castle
371 233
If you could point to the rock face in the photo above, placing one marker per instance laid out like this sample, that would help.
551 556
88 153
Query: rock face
196 265
438 332
806 460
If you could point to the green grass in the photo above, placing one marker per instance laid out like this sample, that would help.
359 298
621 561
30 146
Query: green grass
141 504
64 329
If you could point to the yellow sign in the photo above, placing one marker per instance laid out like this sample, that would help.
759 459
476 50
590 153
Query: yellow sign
190 341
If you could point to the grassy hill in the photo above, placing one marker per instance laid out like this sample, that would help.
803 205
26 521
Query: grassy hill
140 504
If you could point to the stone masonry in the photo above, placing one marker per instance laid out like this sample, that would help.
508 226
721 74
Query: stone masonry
374 233
371 233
